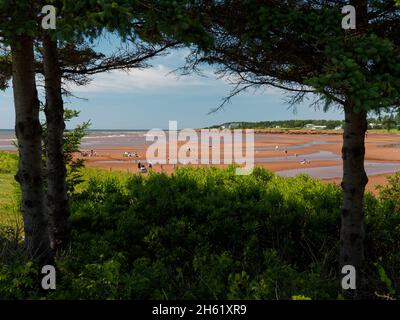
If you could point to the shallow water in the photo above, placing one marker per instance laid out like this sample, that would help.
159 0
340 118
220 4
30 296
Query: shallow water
393 145
122 139
7 148
317 156
7 138
295 146
372 168
120 161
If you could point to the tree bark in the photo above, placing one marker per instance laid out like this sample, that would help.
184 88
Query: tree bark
354 181
28 132
57 198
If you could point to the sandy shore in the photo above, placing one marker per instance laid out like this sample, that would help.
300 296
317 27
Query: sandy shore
321 151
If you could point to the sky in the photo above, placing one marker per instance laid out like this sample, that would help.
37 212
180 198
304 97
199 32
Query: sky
149 98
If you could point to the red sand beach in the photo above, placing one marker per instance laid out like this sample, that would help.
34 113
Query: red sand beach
320 150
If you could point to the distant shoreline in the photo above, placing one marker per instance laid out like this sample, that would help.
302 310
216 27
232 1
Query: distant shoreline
257 131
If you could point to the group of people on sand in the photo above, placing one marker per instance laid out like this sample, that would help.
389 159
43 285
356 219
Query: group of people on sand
90 153
305 161
142 167
131 154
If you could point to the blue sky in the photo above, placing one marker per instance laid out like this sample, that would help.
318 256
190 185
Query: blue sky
149 98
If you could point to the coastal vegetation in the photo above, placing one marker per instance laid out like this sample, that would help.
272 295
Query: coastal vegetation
292 124
199 233
387 123
355 70
202 233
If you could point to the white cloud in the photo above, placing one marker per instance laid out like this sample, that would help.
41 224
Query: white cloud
161 79
139 80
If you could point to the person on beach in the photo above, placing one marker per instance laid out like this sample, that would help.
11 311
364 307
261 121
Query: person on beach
143 169
305 161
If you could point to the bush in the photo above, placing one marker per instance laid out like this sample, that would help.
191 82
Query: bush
210 234
8 162
206 233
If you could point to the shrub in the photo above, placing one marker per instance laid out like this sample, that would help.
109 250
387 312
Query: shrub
210 234
8 162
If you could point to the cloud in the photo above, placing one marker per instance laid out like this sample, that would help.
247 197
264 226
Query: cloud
153 79
161 79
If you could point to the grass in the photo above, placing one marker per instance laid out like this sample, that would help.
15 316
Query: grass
393 131
9 191
9 211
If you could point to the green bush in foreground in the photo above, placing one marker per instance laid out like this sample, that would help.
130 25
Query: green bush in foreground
9 192
8 162
210 234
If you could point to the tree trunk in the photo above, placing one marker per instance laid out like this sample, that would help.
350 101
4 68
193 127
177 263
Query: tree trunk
28 132
57 198
353 184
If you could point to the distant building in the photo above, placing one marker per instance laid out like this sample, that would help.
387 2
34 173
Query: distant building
374 125
314 127
234 125
230 125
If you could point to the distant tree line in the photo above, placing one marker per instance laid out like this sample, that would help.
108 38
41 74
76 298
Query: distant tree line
387 122
330 124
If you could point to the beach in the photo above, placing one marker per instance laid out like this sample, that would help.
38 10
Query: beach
315 153
287 154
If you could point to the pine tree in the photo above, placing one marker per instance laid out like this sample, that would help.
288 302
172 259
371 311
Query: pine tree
301 47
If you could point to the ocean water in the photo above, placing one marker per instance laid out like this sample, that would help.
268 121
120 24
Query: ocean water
372 168
114 139
94 139
7 138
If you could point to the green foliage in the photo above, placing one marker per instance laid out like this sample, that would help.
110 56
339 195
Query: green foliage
17 280
207 233
366 70
300 298
147 21
72 143
300 124
9 191
5 70
301 46
8 162
391 194
17 18
9 201
385 120
210 234
385 279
